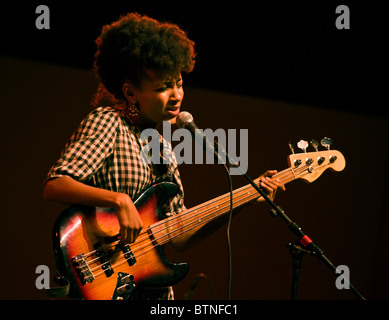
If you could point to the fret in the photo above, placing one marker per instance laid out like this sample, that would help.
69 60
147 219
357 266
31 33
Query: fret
166 230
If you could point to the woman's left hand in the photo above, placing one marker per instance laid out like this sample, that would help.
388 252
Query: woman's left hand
270 185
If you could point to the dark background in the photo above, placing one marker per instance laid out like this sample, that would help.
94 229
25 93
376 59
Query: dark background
281 70
270 49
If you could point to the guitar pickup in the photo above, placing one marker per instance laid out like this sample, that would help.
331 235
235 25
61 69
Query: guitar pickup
105 263
128 254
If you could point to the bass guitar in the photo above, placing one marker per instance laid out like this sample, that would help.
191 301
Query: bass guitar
90 256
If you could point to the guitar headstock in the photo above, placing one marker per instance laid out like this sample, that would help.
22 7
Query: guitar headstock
310 165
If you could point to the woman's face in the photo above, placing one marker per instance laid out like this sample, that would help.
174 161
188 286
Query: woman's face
159 97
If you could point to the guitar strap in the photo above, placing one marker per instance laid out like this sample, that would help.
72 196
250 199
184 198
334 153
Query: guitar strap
61 290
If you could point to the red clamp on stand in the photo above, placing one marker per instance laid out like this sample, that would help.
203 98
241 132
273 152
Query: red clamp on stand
297 250
302 246
305 241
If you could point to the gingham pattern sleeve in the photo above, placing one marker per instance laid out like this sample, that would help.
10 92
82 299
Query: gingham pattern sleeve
105 152
176 204
88 147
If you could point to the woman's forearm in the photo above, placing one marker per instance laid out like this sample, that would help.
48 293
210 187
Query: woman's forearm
67 191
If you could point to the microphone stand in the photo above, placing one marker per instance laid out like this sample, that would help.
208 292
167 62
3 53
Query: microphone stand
296 250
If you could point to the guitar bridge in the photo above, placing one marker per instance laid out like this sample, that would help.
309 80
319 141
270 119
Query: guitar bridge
83 270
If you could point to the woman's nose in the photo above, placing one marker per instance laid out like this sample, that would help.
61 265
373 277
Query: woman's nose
177 93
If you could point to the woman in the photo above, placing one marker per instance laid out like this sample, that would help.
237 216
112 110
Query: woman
139 62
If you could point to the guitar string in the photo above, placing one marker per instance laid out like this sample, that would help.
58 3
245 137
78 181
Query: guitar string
208 203
151 248
146 247
281 173
167 235
238 192
241 191
139 253
135 249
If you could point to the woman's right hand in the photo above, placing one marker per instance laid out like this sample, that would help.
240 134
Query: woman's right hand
130 221
68 191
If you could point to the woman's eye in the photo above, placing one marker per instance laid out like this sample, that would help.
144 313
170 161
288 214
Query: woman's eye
167 87
162 89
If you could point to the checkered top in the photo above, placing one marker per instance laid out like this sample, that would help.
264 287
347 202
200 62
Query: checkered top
105 152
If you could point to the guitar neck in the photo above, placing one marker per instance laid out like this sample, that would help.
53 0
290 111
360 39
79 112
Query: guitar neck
172 227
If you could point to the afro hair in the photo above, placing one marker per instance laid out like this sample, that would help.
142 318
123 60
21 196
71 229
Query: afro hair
134 43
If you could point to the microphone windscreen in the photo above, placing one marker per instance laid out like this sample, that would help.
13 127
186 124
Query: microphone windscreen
183 119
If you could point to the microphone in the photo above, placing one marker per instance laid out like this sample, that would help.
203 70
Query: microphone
185 120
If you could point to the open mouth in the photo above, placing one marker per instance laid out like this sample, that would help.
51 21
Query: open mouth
173 110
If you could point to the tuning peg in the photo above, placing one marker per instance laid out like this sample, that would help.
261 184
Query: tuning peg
326 142
291 146
303 145
315 144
